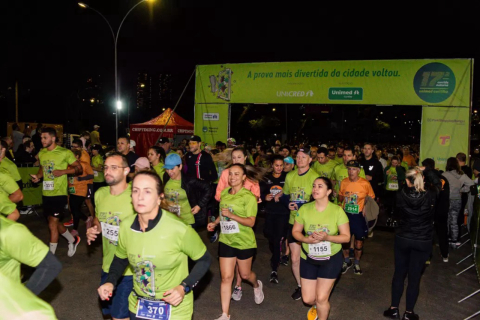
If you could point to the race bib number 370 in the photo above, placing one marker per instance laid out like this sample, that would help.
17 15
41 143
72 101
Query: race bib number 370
110 232
153 310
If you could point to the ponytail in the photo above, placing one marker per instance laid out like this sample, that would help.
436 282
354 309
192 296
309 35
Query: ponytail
415 177
253 173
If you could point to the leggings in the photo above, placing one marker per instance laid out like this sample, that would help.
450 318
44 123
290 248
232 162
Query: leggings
76 208
453 213
410 258
275 230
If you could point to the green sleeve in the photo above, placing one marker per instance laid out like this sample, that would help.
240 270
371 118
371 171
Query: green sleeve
341 216
362 173
8 184
70 157
334 173
251 206
192 245
6 206
299 216
24 246
121 250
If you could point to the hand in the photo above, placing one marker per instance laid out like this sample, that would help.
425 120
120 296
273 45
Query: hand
58 173
269 197
278 196
388 172
174 296
421 168
226 213
211 226
195 209
311 239
292 206
321 236
105 291
369 178
92 234
35 179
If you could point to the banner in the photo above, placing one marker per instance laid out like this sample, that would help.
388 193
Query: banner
443 82
31 195
211 122
445 132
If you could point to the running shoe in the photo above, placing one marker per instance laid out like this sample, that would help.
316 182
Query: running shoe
346 266
312 313
237 293
214 238
445 259
297 294
274 277
410 316
370 234
357 270
69 223
89 222
27 210
74 233
392 313
72 247
284 260
223 317
258 293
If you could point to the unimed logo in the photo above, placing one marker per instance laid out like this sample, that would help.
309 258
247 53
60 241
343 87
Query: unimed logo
295 93
444 140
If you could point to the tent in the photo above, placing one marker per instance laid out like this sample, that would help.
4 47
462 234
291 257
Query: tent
146 134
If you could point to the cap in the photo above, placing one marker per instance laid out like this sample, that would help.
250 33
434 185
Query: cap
324 146
163 140
142 163
171 161
231 140
289 160
304 150
195 138
133 144
353 164
96 126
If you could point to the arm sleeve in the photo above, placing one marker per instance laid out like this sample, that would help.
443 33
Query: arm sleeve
199 270
117 268
24 246
467 181
207 192
299 216
222 184
44 274
370 190
8 184
192 245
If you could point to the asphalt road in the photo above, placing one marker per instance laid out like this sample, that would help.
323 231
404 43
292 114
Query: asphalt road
73 294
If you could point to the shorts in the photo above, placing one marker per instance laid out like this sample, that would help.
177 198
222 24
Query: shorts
358 226
89 191
54 206
290 237
117 306
225 251
328 270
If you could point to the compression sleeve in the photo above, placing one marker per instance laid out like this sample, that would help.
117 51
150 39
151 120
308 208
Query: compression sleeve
44 274
117 268
201 267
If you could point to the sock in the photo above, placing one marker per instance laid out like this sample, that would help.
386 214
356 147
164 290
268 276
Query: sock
357 261
67 235
299 285
53 247
347 260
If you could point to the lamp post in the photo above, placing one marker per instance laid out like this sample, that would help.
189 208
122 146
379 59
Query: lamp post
118 102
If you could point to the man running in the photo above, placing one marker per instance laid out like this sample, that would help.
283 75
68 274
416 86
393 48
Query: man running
54 162
341 172
324 166
113 204
353 192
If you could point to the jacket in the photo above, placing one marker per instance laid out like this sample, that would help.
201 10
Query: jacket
201 166
456 182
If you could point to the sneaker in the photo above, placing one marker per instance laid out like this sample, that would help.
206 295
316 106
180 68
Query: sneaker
284 260
454 245
72 247
370 234
312 313
445 259
89 222
69 223
357 270
351 254
27 210
297 294
258 293
274 277
74 233
410 316
346 266
214 238
237 293
223 317
392 313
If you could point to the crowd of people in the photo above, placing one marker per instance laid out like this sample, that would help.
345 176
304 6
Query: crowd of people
315 198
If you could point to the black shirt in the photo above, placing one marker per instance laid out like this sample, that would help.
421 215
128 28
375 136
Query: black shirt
201 166
468 171
131 158
273 185
373 168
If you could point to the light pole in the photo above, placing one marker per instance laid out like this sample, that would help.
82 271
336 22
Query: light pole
118 102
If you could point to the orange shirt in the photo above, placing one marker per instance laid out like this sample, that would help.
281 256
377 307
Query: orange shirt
248 184
409 160
354 194
80 187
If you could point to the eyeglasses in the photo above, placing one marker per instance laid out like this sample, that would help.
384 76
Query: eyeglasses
105 168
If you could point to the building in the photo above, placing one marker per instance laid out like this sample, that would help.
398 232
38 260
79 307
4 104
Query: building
153 90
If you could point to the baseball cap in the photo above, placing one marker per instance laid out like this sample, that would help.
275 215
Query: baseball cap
133 144
232 140
142 163
353 164
163 140
304 150
324 146
195 138
288 160
96 126
171 161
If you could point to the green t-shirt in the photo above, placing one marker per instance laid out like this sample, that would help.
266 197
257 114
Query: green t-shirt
299 188
18 245
325 170
110 211
244 205
392 183
57 159
159 258
159 170
178 202
97 161
6 206
328 220
17 302
341 172
7 166
7 184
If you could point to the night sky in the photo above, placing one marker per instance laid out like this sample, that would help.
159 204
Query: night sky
51 47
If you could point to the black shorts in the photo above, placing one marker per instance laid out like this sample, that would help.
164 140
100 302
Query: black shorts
89 191
358 225
54 206
225 251
328 270
290 237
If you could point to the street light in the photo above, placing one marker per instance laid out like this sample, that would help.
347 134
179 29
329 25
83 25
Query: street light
115 42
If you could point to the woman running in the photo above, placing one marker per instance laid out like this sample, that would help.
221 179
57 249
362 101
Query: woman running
237 239
162 284
326 227
156 156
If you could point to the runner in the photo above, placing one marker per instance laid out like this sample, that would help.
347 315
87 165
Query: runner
162 285
166 145
113 205
142 164
326 227
352 195
313 155
97 166
288 164
339 154
394 180
54 162
10 188
156 156
297 191
407 158
341 172
8 166
185 196
324 166
95 135
237 240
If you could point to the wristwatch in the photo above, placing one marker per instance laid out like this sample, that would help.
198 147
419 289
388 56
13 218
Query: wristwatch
186 287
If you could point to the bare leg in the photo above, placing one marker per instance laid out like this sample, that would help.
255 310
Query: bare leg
238 283
53 226
295 256
227 270
246 273
324 288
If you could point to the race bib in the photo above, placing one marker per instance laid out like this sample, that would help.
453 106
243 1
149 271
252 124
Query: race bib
48 185
393 186
154 310
229 227
175 209
71 190
95 173
110 232
352 208
323 248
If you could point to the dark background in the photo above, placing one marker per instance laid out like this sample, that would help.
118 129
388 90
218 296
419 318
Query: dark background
52 47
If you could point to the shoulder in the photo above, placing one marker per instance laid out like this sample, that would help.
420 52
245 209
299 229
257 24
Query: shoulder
225 192
247 193
103 190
